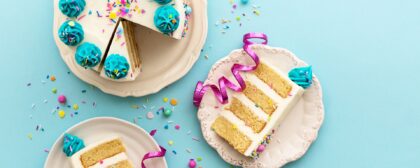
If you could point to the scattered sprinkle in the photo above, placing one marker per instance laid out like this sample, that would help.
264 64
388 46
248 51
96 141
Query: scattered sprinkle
170 142
52 78
153 132
61 114
75 107
54 90
150 115
196 139
174 102
177 127
165 99
29 136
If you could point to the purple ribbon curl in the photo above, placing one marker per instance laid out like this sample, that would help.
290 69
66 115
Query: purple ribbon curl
221 94
151 155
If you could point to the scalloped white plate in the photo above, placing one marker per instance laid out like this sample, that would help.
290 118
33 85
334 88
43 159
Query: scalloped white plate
137 141
298 130
165 60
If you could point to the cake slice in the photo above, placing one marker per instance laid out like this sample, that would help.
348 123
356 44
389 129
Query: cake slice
108 153
122 62
251 116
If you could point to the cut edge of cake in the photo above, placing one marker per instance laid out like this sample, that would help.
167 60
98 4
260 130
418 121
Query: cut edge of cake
271 101
105 153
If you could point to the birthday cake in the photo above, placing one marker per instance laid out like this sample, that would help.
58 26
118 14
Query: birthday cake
107 153
247 121
96 29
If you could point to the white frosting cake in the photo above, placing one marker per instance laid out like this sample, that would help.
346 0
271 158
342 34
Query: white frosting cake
252 123
99 18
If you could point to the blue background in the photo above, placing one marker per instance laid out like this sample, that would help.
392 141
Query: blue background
366 54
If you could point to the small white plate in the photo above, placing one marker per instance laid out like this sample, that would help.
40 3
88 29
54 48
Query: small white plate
298 130
137 141
164 60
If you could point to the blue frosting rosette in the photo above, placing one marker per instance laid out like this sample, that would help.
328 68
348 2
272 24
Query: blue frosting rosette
302 76
71 33
71 8
116 66
72 144
88 55
163 2
166 19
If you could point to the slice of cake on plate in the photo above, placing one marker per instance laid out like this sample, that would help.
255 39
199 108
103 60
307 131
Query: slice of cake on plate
107 153
122 62
251 116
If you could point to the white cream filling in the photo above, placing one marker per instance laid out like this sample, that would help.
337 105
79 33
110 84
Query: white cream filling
111 161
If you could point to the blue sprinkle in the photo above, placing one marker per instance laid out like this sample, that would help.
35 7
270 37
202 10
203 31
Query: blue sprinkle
173 151
166 126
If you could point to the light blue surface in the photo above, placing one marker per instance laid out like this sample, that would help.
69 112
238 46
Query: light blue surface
366 54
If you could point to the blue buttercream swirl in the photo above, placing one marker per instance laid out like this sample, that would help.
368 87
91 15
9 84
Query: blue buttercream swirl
163 2
71 33
72 8
72 144
302 76
88 55
166 19
116 66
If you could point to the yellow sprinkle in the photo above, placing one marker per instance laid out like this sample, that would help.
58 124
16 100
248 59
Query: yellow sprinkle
54 90
30 136
238 18
61 114
165 99
71 23
171 142
75 107
113 15
174 102
234 126
135 106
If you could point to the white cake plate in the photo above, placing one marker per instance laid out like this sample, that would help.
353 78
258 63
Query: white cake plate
293 137
165 60
137 141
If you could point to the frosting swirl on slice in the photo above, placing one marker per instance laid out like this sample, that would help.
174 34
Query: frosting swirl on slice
88 55
72 144
302 76
71 8
116 66
166 19
71 33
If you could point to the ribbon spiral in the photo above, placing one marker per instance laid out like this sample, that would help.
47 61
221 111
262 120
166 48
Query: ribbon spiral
151 155
220 92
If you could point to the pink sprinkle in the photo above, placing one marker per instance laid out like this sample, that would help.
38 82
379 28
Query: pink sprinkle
153 132
122 44
177 127
143 11
101 162
81 17
46 150
234 6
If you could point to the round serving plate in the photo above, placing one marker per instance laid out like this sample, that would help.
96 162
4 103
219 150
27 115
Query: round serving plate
164 60
296 133
136 140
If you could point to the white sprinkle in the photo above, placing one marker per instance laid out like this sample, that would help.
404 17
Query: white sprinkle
188 150
196 139
189 132
33 106
45 101
150 115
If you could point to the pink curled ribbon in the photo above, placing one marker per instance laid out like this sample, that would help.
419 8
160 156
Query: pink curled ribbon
151 155
221 94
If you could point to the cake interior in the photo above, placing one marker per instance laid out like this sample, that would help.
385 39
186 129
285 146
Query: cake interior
252 114
130 40
101 152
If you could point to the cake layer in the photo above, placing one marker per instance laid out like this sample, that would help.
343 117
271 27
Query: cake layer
101 152
231 134
122 164
130 40
273 79
259 98
241 111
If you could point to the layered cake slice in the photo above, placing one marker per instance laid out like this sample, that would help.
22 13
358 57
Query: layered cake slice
251 116
108 153
122 62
